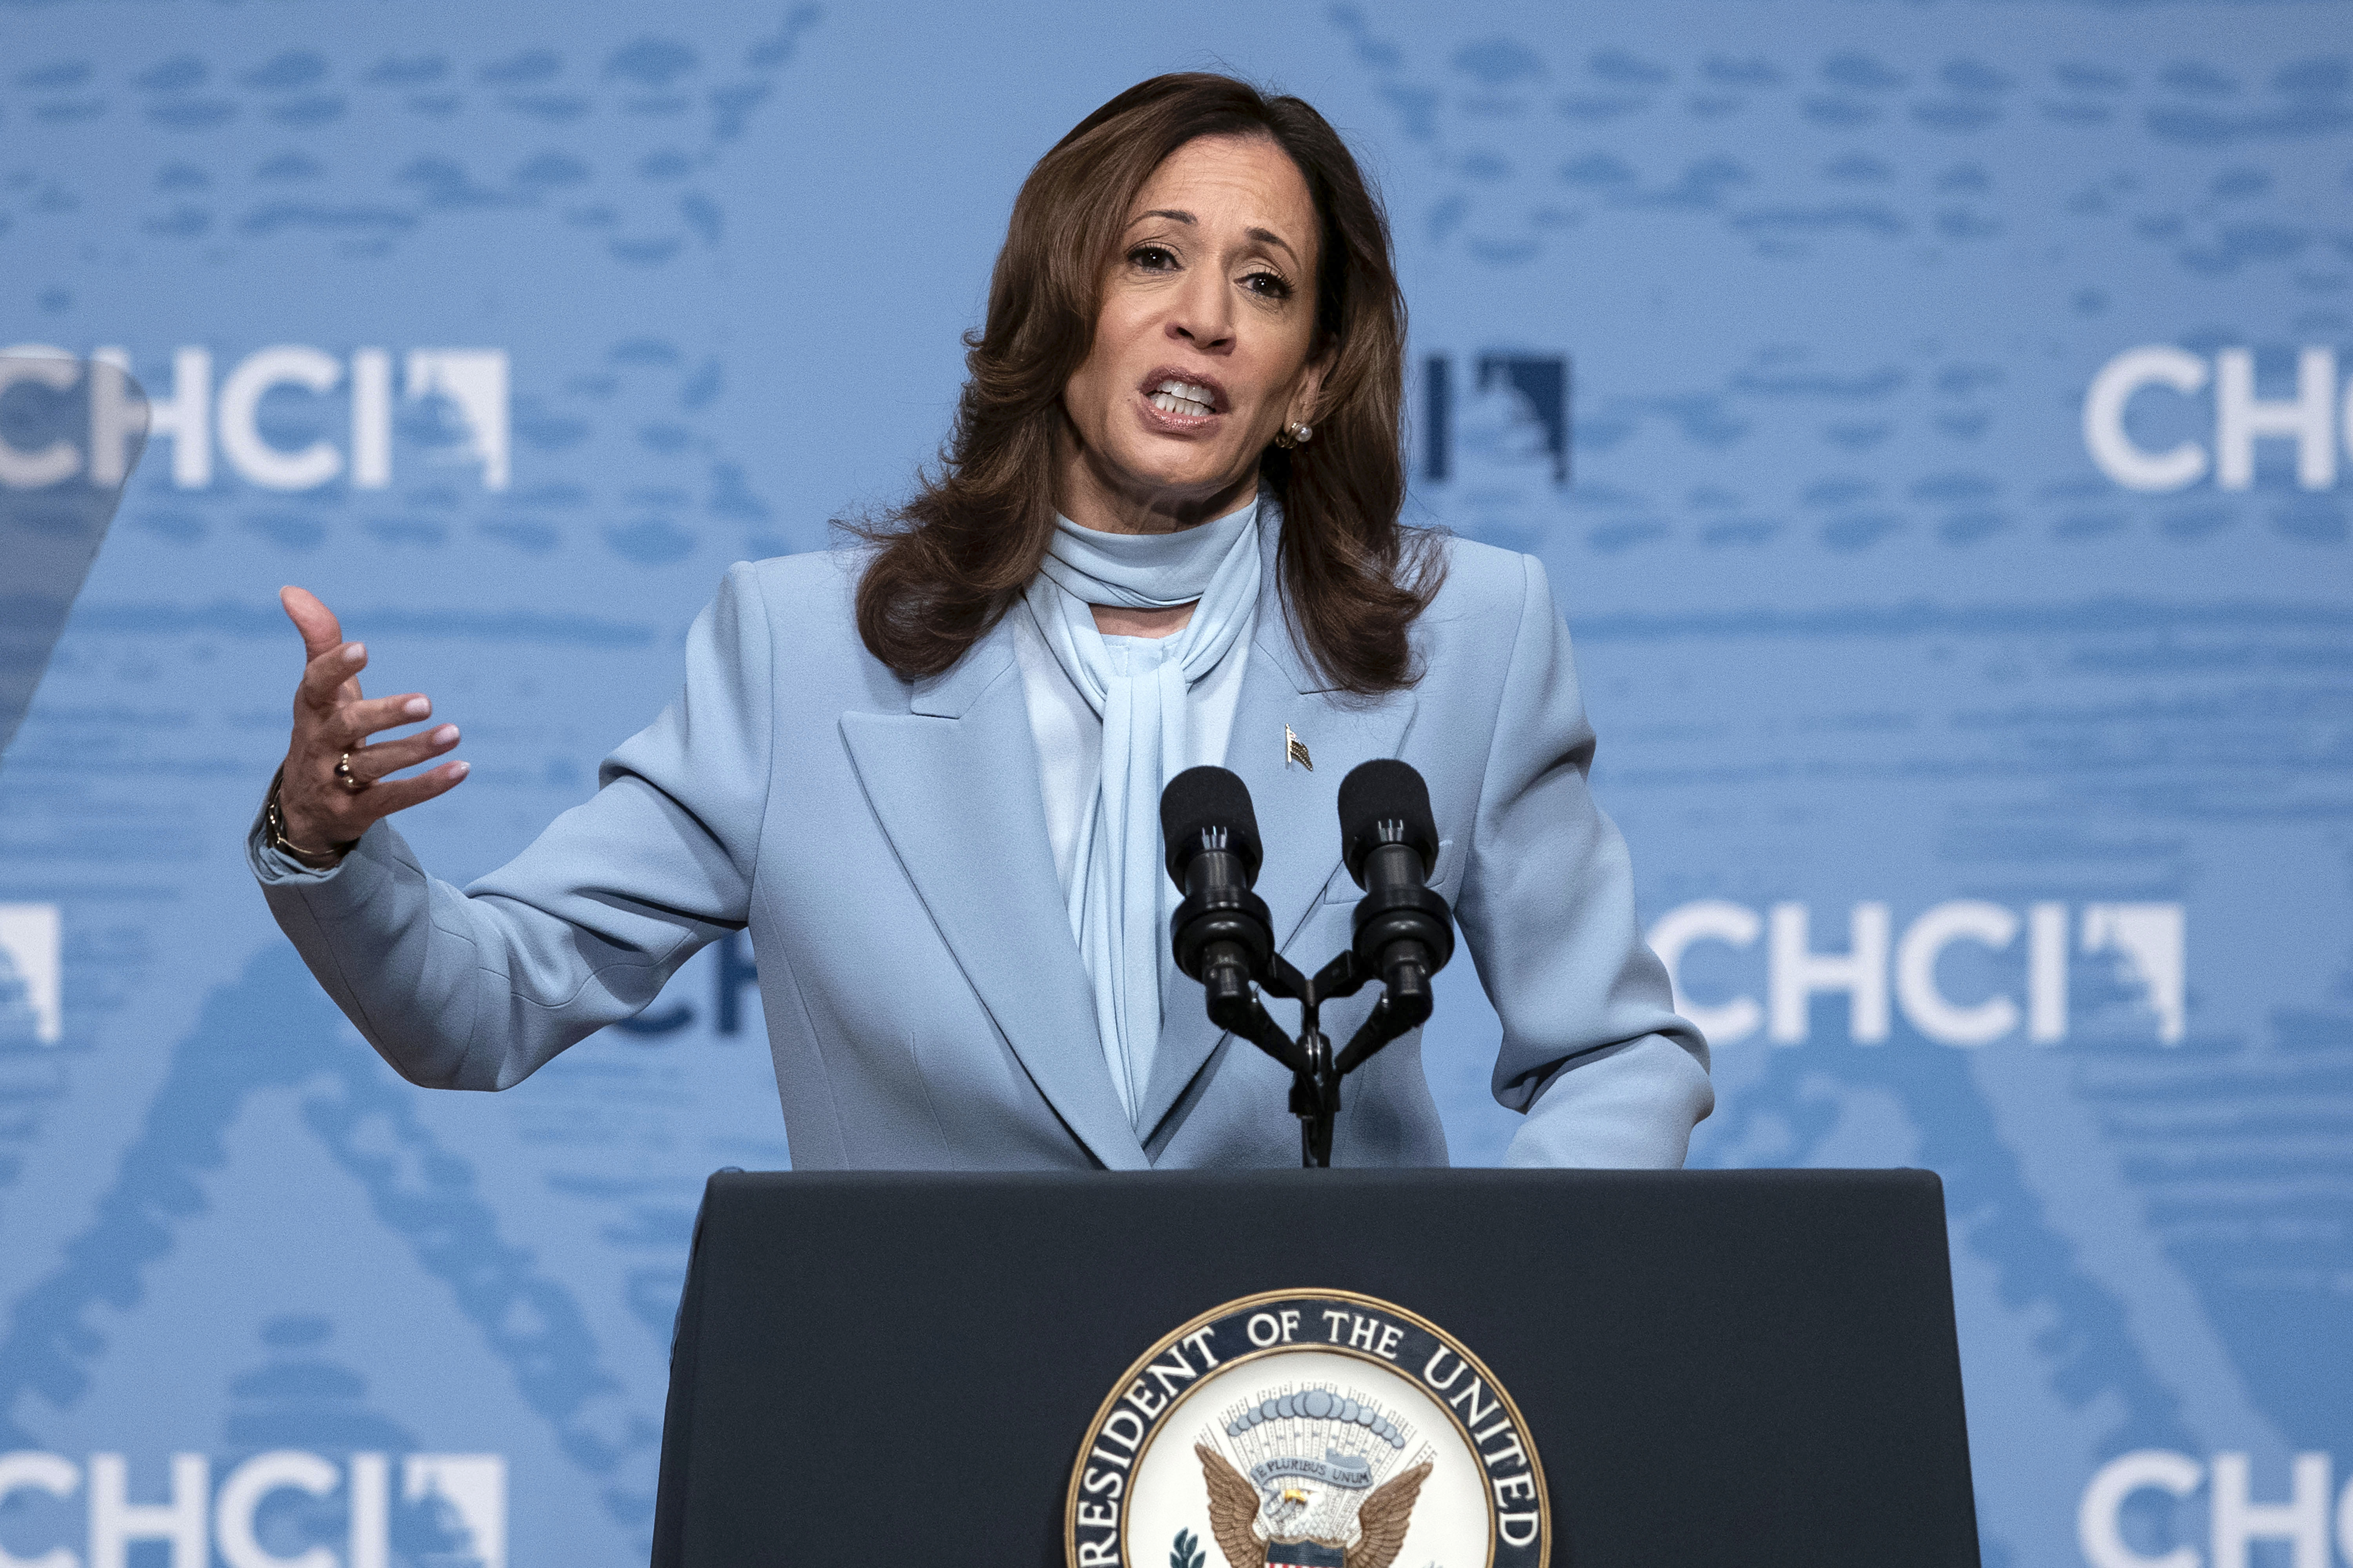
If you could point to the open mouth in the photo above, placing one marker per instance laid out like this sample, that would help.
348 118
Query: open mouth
1186 397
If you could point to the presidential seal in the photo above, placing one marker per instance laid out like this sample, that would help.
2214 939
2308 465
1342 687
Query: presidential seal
1308 1429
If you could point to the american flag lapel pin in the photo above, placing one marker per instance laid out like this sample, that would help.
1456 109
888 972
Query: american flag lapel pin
1294 750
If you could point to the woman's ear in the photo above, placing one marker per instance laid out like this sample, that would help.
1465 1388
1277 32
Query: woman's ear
1307 402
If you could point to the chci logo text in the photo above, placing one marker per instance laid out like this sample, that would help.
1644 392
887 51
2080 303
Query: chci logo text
286 417
2149 413
285 1508
2139 1512
1963 972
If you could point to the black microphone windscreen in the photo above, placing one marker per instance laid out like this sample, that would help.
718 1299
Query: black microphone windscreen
1208 800
1385 801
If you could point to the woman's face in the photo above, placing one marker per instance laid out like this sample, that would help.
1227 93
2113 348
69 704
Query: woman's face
1201 348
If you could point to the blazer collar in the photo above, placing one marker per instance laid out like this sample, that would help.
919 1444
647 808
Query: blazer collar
952 693
955 784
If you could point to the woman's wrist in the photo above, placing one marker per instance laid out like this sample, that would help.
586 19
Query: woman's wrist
276 835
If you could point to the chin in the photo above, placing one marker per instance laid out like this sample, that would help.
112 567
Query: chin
1186 470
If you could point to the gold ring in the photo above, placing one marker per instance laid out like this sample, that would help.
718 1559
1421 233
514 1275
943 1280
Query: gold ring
343 774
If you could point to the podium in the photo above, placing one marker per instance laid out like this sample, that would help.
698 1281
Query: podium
1750 1368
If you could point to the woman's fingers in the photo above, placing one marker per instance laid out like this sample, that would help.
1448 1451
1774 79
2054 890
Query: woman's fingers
382 800
370 764
326 813
333 722
353 722
323 636
325 678
322 633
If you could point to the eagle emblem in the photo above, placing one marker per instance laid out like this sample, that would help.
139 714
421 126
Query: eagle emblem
1317 1493
1306 1429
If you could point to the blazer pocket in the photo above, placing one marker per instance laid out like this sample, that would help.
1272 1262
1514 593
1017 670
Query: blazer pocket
1343 889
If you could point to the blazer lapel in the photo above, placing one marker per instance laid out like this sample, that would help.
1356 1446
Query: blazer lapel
1298 816
955 787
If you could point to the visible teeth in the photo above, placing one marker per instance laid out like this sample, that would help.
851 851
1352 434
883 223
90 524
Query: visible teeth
1169 403
1190 392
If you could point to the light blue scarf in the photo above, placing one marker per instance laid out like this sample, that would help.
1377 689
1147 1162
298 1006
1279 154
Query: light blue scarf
1120 896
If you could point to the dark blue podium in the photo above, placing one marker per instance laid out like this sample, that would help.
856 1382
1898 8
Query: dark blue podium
1737 1368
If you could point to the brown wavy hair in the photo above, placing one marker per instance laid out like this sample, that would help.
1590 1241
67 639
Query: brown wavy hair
956 557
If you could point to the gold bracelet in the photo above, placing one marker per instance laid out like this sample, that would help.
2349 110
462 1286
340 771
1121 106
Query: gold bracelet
273 830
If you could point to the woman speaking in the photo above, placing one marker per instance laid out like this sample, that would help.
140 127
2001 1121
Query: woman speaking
923 771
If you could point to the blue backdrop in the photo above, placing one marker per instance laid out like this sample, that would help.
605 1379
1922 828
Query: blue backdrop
1932 417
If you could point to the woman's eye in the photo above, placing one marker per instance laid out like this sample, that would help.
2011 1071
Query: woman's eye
1267 284
1152 257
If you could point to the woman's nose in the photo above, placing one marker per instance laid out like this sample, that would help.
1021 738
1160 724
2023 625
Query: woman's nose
1202 314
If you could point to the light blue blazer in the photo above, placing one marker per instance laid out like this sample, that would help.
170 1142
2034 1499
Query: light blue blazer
886 845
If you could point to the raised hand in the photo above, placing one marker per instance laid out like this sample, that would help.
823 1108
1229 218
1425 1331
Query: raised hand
324 811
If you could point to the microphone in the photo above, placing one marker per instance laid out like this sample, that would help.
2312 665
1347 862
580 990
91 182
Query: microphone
1404 932
1222 933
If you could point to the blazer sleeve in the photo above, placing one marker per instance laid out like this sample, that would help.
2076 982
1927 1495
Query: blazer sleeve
479 988
1592 1049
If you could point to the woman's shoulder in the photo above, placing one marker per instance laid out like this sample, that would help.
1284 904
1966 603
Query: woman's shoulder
810 579
805 605
1482 581
812 596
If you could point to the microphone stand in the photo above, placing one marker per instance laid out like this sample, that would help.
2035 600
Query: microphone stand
1222 935
1315 1071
